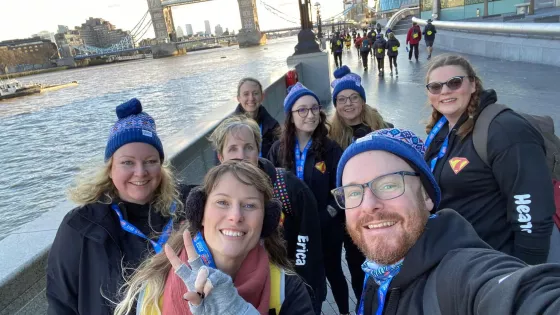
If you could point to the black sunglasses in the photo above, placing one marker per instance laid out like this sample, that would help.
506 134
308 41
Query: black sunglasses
453 84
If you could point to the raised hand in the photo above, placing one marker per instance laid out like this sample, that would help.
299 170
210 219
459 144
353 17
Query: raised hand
202 280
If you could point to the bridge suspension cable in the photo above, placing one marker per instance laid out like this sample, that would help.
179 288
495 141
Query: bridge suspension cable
277 12
147 28
135 28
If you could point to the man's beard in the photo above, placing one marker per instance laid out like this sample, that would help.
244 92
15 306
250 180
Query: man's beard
380 250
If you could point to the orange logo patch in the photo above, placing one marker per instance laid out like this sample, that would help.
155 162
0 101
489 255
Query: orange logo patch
282 217
458 164
321 167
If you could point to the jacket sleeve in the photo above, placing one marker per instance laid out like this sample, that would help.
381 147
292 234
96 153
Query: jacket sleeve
484 281
524 179
297 299
311 268
63 271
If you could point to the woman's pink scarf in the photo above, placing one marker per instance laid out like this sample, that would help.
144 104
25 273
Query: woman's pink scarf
252 283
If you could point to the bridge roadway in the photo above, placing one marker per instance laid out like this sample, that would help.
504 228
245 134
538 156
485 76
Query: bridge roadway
401 100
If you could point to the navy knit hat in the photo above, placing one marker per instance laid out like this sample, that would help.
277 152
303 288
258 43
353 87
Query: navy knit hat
294 93
133 126
345 80
402 143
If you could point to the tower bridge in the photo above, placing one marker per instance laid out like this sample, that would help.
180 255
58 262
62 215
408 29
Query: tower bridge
164 28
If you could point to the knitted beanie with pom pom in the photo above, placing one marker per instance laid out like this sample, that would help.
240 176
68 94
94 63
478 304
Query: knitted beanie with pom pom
133 126
346 80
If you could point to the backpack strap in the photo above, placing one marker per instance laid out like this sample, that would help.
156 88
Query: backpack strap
481 126
430 299
280 192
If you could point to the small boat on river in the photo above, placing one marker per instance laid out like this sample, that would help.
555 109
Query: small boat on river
13 88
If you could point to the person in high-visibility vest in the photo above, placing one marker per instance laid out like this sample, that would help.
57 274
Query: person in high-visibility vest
429 37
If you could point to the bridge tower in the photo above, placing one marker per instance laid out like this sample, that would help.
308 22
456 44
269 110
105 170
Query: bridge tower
250 33
162 20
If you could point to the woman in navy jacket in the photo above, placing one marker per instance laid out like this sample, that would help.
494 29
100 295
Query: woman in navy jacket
133 189
305 149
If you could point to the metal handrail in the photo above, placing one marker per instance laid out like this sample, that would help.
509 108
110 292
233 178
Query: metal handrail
398 16
549 29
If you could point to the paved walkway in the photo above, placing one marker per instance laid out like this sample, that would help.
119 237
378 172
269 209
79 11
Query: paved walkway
526 87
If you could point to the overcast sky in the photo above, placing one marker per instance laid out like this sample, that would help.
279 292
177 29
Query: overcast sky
22 18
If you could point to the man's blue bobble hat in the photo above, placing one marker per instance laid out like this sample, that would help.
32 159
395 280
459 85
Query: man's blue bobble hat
402 143
133 126
346 80
294 93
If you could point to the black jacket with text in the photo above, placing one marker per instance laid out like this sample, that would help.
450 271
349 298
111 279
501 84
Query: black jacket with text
302 231
509 204
468 276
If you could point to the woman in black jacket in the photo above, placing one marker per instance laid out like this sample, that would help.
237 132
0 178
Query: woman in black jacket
510 201
250 95
305 149
126 212
352 119
238 138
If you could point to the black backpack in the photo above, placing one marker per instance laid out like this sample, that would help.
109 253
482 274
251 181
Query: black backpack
543 124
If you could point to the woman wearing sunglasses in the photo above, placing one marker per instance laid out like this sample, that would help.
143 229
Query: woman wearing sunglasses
510 201
305 149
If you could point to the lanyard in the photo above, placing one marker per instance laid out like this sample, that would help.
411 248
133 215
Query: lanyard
128 227
300 158
203 251
260 152
388 274
431 137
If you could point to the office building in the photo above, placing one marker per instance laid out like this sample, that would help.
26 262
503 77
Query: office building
218 30
189 30
101 33
207 29
62 29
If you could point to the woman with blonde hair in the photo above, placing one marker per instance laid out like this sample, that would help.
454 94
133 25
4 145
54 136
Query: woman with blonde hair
125 213
353 118
231 260
508 198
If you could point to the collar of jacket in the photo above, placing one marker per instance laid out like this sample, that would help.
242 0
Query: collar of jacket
444 233
263 117
97 223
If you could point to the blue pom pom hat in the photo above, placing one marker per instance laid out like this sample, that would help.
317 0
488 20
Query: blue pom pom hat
133 125
294 93
346 80
400 142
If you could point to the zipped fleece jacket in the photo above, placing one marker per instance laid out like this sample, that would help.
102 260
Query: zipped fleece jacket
320 177
469 277
379 44
302 231
509 204
269 126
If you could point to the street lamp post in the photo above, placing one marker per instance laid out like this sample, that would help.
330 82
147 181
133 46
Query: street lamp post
306 38
319 29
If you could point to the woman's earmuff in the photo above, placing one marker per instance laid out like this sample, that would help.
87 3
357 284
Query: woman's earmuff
194 207
272 211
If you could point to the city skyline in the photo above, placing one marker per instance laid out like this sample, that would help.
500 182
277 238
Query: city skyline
40 15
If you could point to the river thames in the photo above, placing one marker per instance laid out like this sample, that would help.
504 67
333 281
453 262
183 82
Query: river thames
48 138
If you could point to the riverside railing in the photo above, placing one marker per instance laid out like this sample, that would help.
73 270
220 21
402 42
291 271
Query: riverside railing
495 28
24 253
401 15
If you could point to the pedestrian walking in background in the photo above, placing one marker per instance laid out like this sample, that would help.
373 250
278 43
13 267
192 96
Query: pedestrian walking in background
429 37
413 38
393 45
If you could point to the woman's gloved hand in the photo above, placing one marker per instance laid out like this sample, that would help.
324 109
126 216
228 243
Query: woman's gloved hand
210 291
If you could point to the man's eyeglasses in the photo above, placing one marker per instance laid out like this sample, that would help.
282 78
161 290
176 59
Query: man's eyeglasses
453 84
341 99
384 187
304 111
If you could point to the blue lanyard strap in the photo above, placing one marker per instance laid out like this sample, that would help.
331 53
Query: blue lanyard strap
203 251
441 122
130 228
300 158
383 277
